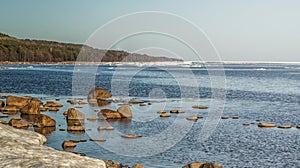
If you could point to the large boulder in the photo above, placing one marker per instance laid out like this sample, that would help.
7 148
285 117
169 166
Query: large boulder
44 121
74 114
203 165
16 101
98 97
125 111
16 122
33 107
109 114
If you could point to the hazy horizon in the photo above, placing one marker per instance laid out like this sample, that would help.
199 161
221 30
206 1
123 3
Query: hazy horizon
263 31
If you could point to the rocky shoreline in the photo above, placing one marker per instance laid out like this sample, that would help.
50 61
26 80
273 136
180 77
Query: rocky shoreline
22 148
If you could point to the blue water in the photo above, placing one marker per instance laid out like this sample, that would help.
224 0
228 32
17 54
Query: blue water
265 92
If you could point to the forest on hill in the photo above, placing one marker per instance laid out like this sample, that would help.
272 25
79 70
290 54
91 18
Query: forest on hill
25 50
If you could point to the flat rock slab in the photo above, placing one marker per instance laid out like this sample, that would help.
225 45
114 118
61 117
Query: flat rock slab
21 148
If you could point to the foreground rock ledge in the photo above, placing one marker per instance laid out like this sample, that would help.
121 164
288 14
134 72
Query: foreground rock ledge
21 148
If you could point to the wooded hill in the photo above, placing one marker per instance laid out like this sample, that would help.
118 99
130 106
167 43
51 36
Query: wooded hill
19 50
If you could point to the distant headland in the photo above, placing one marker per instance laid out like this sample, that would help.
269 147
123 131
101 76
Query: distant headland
13 50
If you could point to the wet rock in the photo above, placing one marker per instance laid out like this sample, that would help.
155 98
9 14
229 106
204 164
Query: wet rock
298 126
16 101
74 114
16 122
2 104
199 107
142 104
3 122
138 166
33 107
44 121
45 130
165 115
176 111
92 118
285 126
65 113
267 125
125 111
109 114
203 165
79 128
52 104
105 128
98 139
131 136
43 109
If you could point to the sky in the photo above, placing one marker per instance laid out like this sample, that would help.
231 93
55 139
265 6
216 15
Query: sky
240 30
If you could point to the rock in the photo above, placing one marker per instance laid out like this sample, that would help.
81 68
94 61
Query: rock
65 113
74 114
224 117
2 104
67 144
109 114
55 109
246 124
44 130
142 104
3 122
13 109
81 103
131 136
98 139
16 101
33 107
92 118
298 126
267 125
200 107
203 165
16 122
21 148
111 164
125 111
176 111
43 109
52 104
136 101
83 140
2 90
75 141
194 118
235 117
165 115
105 128
79 128
138 166
99 94
73 102
161 112
44 121
285 126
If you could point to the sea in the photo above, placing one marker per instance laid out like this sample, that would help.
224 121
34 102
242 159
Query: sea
253 92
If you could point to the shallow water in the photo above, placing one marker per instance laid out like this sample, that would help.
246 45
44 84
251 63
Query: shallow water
266 92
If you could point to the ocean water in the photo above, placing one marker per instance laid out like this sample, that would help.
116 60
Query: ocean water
264 92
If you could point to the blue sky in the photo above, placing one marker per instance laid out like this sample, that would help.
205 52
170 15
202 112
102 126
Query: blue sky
241 30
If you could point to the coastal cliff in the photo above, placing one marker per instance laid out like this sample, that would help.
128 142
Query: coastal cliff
21 148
